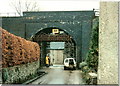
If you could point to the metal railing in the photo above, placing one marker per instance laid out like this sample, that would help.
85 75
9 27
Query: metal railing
48 37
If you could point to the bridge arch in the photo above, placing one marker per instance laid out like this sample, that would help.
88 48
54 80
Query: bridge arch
67 30
45 36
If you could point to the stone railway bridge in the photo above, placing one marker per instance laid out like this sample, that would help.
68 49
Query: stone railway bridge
76 25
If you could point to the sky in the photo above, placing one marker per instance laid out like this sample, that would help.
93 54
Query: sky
53 5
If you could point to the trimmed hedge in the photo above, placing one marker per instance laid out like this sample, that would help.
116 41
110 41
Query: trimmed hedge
17 50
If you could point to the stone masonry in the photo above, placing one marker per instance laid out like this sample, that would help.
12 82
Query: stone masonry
20 73
108 43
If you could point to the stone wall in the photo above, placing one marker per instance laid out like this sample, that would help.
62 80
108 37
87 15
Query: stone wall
108 43
20 73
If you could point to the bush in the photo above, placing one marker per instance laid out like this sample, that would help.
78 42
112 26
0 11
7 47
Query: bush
82 64
92 57
17 50
91 62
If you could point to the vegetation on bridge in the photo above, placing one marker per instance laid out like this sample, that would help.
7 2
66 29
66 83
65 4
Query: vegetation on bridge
92 57
90 65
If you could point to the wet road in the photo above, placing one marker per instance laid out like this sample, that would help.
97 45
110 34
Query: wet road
57 75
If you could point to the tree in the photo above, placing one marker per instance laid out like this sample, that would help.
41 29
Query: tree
24 5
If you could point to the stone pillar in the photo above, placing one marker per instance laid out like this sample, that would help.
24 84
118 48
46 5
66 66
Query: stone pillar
108 43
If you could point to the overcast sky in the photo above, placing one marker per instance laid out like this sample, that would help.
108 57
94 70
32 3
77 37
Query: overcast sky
54 5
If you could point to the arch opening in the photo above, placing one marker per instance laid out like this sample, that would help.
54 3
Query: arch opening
55 43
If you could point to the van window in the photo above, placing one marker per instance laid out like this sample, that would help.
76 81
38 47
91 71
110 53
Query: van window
71 61
66 60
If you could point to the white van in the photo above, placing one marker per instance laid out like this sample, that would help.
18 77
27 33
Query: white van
69 63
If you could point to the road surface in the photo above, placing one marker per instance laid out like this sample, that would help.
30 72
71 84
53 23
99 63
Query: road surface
57 75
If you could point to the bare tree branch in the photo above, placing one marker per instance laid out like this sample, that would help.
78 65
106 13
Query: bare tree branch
27 5
24 5
34 7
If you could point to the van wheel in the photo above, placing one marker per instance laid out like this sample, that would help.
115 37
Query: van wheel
74 68
64 68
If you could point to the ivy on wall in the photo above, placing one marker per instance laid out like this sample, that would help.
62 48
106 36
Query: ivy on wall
92 57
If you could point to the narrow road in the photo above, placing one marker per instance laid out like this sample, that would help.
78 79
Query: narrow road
57 75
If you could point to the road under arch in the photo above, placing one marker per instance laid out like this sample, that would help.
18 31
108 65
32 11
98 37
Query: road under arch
46 37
